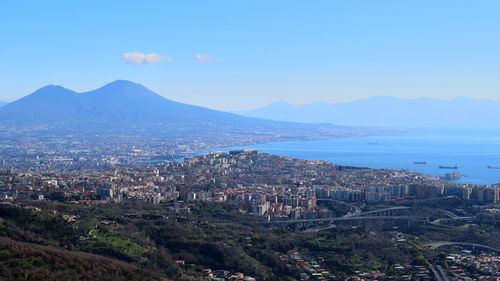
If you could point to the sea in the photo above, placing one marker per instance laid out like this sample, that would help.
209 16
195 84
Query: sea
472 150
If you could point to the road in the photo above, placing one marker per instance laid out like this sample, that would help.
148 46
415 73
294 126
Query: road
357 210
436 245
384 210
450 214
439 273
419 201
443 273
407 218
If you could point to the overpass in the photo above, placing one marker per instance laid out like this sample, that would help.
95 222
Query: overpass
420 201
385 211
385 214
436 245
346 219
356 211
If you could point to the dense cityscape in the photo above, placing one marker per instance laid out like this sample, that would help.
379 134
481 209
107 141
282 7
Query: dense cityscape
296 196
48 148
275 186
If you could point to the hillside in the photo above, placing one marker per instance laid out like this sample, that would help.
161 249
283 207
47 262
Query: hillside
26 261
117 102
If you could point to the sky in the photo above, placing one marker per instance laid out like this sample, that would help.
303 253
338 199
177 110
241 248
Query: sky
239 55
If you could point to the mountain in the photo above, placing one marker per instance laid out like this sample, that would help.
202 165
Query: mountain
2 103
117 102
130 108
386 111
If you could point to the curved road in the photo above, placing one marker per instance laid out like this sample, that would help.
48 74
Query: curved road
357 210
436 245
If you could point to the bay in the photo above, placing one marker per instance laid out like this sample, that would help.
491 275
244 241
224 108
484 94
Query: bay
471 149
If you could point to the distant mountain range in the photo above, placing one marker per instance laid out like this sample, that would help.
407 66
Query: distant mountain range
386 111
125 106
2 103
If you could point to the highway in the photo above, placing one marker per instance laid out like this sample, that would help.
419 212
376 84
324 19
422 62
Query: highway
384 210
357 210
436 245
439 273
407 218
419 201
443 273
358 215
450 214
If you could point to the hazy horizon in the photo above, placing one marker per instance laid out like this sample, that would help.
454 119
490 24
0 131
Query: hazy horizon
237 56
375 111
4 102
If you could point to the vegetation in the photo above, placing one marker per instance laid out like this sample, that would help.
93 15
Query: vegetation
25 261
130 241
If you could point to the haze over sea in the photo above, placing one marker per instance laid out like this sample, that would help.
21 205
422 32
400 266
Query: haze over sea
471 149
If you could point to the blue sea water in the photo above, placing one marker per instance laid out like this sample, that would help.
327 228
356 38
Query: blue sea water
471 150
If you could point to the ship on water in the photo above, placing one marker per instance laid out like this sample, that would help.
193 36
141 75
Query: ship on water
420 162
493 167
449 167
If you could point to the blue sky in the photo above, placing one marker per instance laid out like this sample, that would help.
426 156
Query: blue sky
251 53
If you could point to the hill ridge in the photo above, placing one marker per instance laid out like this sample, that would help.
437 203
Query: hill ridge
389 111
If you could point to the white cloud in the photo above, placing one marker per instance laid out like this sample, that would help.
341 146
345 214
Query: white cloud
139 58
203 58
5 98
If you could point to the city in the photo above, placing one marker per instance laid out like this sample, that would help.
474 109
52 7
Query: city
254 140
297 196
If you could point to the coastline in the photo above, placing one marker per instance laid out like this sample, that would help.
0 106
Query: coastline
399 151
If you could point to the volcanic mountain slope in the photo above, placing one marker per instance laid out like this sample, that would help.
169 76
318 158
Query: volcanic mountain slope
118 102
124 104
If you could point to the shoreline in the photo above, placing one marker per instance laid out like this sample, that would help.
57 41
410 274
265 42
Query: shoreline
473 173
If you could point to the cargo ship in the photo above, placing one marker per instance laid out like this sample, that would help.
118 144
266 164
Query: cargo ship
420 162
449 167
493 167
